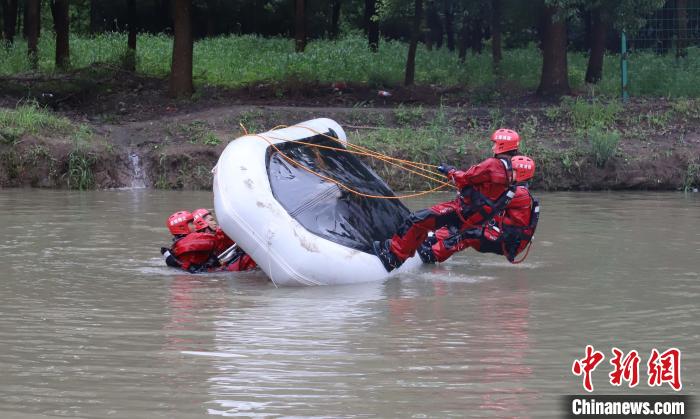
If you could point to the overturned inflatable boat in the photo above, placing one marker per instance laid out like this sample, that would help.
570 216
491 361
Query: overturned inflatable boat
274 194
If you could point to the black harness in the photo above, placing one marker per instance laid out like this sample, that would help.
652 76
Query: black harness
509 242
213 261
172 261
478 202
513 236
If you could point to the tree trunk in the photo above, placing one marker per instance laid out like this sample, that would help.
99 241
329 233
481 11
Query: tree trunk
335 18
32 25
10 19
554 80
464 40
415 34
61 24
94 17
587 18
20 21
496 32
181 71
372 25
449 25
300 26
682 31
36 28
38 21
130 62
434 23
52 7
25 10
599 30
666 29
477 36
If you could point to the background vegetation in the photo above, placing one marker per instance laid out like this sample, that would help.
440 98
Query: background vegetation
495 45
110 61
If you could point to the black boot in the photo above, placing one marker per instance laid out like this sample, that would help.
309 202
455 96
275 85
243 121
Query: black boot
425 251
383 252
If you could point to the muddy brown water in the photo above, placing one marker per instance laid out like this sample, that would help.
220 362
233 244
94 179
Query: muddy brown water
93 325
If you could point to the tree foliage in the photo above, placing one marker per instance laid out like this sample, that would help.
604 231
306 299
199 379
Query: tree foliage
461 25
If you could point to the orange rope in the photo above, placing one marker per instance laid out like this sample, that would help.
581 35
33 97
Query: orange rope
527 252
370 153
340 185
375 154
361 153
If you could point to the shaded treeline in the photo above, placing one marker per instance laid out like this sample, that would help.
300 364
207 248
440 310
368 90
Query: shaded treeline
556 26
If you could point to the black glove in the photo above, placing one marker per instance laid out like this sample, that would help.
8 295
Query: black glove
445 168
472 233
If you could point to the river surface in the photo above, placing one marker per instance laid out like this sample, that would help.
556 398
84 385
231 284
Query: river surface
93 325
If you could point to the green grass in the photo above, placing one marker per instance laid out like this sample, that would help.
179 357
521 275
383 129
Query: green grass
243 60
80 169
433 143
584 114
194 131
209 138
687 109
30 118
251 120
422 145
663 75
234 61
603 144
408 115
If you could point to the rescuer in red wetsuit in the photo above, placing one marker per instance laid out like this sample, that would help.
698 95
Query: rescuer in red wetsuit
204 222
180 225
199 250
508 233
482 193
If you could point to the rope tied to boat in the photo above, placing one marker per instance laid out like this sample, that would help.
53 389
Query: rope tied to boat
417 168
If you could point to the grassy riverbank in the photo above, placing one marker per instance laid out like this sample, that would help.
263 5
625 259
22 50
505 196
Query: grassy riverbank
41 148
578 144
244 61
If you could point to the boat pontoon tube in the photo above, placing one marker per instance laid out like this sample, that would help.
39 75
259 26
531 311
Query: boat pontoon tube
300 228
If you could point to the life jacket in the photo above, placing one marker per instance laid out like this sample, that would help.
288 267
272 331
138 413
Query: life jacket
514 238
223 241
170 260
517 238
477 207
242 262
196 252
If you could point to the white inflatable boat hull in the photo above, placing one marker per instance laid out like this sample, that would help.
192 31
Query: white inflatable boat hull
285 250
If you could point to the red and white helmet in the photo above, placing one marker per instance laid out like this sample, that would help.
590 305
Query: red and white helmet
199 222
505 140
523 168
178 223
